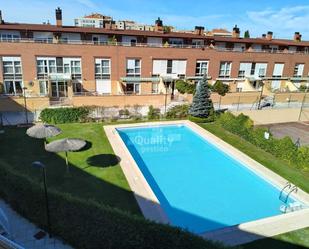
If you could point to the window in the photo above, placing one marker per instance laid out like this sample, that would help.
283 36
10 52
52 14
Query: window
12 75
201 68
225 69
249 69
134 67
45 66
278 70
52 66
155 87
8 67
169 68
13 87
9 37
132 88
252 72
43 87
298 70
102 69
75 67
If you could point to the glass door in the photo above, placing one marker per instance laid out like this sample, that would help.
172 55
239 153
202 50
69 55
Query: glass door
59 89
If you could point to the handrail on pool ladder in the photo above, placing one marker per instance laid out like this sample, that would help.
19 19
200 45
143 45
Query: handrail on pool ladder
291 189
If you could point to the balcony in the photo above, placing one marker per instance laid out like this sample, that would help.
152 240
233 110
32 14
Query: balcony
150 45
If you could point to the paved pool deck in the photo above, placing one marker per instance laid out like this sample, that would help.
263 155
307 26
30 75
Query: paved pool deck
235 235
22 232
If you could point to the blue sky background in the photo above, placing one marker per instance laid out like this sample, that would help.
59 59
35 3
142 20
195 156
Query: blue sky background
283 17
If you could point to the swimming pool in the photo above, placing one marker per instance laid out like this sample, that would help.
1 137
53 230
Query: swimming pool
199 187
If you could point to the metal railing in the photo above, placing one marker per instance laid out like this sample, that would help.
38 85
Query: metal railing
154 45
5 243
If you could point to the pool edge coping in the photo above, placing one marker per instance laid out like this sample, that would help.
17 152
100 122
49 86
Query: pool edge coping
233 235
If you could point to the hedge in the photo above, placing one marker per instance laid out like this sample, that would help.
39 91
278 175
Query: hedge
87 224
64 115
178 111
283 148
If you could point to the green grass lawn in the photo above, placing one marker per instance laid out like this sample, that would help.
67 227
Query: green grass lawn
95 172
294 240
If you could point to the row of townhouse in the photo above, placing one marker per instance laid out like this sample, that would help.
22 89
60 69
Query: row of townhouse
63 61
51 75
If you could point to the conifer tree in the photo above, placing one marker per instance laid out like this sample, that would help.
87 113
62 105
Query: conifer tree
202 105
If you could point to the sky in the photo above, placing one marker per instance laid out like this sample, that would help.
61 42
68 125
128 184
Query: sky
283 17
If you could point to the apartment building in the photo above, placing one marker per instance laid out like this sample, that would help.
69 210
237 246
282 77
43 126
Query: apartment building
58 61
94 20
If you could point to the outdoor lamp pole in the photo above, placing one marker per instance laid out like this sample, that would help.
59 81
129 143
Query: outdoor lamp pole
25 104
261 95
165 100
40 165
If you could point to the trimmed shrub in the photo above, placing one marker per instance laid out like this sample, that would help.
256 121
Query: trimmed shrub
220 88
179 111
86 224
185 87
64 115
153 113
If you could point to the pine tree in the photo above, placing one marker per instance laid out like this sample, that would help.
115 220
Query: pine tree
247 34
202 105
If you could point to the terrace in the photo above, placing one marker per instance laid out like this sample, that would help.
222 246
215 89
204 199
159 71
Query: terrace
247 49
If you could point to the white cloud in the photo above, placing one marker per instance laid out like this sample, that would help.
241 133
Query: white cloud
88 3
283 22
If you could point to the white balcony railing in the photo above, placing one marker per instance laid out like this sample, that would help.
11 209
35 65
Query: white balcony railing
154 45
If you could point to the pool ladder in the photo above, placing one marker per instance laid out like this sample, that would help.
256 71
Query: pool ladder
288 189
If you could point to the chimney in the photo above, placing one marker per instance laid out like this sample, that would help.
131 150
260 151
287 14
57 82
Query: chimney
297 36
264 36
1 20
199 30
236 32
269 35
58 17
159 25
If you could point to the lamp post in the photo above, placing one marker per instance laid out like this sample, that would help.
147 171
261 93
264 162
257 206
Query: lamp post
261 95
25 104
165 100
40 165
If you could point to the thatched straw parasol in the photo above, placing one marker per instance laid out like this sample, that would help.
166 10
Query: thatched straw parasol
66 145
43 131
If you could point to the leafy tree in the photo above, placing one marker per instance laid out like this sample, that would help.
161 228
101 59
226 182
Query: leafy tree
202 106
220 88
185 87
247 34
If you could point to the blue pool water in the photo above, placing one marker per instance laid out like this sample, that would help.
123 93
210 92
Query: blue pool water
199 186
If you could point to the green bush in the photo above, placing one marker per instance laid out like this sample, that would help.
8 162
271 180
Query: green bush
220 88
86 224
64 115
185 87
153 113
283 148
179 111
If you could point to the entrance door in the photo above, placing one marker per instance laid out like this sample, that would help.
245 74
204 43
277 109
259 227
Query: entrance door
59 89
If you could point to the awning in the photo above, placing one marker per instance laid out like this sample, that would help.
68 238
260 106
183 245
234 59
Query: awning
139 79
196 77
276 78
299 79
59 76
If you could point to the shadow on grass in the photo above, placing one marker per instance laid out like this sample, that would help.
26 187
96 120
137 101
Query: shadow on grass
85 185
103 160
88 146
